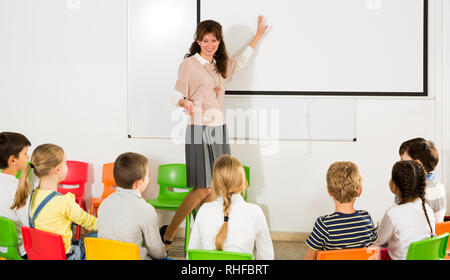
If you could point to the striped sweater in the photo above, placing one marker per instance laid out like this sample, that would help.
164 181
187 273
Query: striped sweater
342 231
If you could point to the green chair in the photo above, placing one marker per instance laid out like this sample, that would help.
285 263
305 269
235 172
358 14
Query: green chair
247 176
20 171
217 255
173 176
8 240
433 248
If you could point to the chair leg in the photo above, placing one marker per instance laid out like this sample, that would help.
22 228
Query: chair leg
82 204
187 232
78 232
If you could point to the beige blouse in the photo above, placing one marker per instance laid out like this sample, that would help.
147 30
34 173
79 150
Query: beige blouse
197 80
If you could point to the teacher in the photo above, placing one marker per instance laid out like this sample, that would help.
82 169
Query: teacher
200 91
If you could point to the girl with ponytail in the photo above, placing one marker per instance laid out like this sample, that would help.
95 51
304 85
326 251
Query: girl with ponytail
230 223
49 210
412 220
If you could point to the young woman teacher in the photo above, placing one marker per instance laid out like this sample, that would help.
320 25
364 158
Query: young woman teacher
200 91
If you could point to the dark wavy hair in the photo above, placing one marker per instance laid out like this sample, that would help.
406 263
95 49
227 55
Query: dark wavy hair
423 150
221 56
410 178
11 144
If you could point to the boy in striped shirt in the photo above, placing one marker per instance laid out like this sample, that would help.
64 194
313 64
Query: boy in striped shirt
346 228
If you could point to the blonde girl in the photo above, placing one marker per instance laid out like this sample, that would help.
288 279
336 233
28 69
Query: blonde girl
49 210
230 223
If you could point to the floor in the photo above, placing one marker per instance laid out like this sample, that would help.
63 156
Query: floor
284 250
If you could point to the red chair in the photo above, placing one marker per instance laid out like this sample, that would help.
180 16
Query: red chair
109 186
76 175
42 245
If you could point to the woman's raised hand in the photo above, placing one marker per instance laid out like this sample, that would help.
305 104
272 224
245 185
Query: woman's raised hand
262 28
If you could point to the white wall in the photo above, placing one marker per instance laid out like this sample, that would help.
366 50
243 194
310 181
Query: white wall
63 80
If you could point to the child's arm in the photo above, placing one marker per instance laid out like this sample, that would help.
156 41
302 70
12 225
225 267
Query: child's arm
384 231
194 239
264 246
316 240
152 238
76 214
311 254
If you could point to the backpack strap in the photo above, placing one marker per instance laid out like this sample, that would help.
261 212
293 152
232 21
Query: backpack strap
40 207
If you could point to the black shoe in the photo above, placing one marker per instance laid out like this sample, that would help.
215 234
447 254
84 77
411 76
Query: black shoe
162 231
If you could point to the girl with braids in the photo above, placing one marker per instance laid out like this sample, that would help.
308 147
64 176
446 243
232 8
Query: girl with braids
200 91
412 220
229 223
49 210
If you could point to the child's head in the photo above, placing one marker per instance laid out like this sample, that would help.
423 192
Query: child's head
131 171
408 180
13 150
228 179
408 183
46 160
344 181
420 150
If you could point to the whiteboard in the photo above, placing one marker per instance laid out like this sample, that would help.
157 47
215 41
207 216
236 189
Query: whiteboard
160 33
291 118
327 47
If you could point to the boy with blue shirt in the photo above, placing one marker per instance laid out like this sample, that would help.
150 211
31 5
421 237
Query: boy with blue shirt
346 228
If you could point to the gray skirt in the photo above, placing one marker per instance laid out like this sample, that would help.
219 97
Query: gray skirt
204 144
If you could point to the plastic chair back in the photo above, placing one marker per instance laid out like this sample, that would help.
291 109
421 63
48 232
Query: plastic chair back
217 255
428 249
441 228
20 171
109 184
366 253
171 176
42 245
8 240
247 176
76 175
104 249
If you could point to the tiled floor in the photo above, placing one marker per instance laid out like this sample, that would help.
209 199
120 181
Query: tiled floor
284 250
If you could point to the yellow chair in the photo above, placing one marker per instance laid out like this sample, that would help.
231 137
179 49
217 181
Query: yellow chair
104 249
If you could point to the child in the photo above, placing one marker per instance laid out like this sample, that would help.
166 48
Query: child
412 220
13 158
346 228
425 153
229 223
49 210
124 215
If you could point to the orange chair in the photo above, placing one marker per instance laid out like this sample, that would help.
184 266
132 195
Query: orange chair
368 253
42 245
76 175
109 186
441 228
